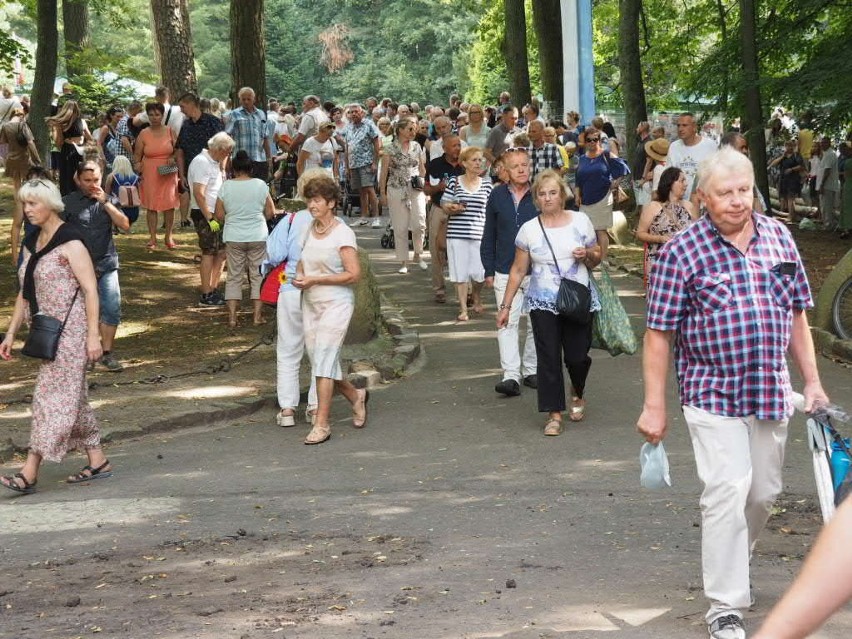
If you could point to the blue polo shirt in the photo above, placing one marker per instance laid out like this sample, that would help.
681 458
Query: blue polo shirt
503 220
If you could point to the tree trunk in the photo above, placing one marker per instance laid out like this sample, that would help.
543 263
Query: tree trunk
515 46
723 32
548 28
752 120
173 37
248 49
630 66
46 58
77 34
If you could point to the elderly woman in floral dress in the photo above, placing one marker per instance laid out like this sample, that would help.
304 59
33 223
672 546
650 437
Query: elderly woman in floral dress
58 279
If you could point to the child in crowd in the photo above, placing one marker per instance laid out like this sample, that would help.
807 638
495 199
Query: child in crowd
124 184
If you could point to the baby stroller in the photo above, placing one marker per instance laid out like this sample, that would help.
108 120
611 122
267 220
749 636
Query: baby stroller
285 185
350 200
388 240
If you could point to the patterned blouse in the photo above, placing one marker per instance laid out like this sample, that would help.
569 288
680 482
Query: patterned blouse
672 218
403 166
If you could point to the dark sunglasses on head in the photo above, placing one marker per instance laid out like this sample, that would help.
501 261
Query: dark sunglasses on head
37 182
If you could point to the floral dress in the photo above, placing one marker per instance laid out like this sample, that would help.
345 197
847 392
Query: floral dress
63 420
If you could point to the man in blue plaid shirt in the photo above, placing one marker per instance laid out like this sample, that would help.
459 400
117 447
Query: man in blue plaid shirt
247 125
730 291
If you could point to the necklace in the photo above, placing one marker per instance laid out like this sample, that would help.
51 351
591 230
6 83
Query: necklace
322 230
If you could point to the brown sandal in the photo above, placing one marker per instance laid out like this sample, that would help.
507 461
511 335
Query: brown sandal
553 427
318 435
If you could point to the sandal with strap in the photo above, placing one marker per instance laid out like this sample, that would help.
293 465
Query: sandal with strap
553 427
11 482
87 473
318 435
578 410
359 422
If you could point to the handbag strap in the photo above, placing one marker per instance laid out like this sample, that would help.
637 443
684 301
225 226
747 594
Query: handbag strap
549 245
68 314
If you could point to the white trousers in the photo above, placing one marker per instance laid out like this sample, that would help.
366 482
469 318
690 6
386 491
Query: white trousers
407 208
289 350
739 461
507 337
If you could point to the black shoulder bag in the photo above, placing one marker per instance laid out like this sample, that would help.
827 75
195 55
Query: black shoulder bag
45 331
43 339
573 301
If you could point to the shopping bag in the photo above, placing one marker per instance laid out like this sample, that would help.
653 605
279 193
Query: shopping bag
654 463
611 329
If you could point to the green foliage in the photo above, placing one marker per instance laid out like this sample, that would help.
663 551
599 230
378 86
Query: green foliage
95 95
489 75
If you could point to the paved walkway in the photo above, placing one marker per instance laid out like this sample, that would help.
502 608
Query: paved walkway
464 519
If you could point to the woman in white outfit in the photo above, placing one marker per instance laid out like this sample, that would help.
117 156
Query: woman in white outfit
327 269
405 163
285 243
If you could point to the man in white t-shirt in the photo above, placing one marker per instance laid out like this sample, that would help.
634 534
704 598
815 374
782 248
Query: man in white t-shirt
689 150
172 116
205 176
312 117
828 184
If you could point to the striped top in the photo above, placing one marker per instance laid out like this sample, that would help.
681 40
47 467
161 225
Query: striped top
470 223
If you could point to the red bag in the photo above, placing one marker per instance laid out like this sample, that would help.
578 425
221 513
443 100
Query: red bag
271 283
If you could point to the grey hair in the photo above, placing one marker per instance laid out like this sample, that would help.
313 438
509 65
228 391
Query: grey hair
245 91
312 98
43 191
221 142
725 161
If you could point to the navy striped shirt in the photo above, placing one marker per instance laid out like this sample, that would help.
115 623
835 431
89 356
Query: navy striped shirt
470 223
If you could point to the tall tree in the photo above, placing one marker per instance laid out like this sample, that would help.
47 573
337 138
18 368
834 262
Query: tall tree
753 114
248 49
173 38
630 66
548 28
515 51
77 35
47 56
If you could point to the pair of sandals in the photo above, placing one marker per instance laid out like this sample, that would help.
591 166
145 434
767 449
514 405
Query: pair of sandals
477 309
20 484
322 433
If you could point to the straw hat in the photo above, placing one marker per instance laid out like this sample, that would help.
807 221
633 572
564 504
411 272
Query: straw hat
657 149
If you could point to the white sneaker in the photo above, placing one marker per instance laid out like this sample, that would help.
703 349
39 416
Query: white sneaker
423 265
357 222
377 223
727 627
403 270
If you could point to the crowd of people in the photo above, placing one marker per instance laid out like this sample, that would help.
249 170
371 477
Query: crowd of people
500 199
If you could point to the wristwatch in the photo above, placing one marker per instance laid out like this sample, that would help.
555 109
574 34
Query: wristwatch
504 307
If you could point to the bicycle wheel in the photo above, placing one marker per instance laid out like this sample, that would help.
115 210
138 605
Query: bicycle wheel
820 446
841 310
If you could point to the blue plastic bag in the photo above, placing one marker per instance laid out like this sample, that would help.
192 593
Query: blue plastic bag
655 467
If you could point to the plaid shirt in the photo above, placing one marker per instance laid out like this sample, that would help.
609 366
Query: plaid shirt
249 130
545 157
732 315
123 131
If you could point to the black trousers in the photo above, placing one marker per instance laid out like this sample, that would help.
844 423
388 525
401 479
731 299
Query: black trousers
557 340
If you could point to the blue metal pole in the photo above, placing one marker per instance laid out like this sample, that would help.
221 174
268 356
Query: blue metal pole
586 60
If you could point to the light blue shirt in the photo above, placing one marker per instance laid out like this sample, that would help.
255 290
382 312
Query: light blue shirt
285 243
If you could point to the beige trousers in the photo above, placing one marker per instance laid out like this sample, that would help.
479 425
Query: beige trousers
407 208
437 220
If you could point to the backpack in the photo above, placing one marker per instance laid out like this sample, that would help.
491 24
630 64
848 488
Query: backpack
111 145
21 136
128 191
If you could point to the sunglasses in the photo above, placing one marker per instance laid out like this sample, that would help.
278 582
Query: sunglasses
592 140
37 182
513 149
